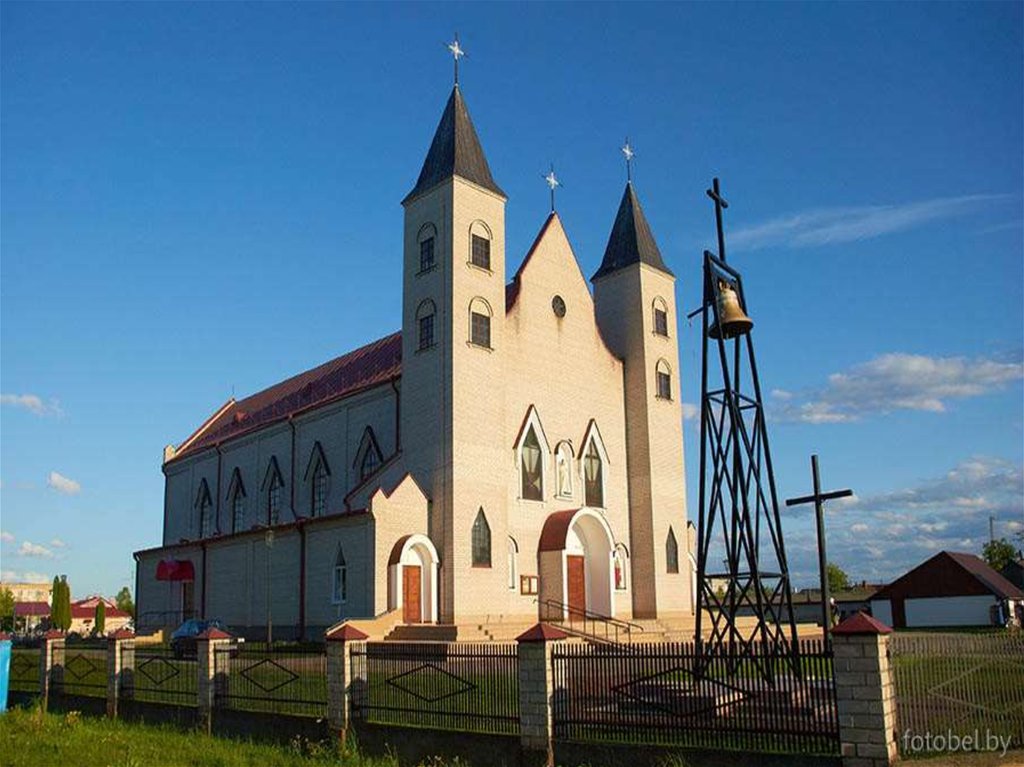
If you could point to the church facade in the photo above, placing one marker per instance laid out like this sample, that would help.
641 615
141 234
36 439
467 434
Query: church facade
514 452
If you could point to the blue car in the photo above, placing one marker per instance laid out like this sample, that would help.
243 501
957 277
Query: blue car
183 640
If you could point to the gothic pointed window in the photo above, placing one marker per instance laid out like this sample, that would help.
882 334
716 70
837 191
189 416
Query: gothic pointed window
593 476
425 325
236 495
318 504
513 563
663 376
533 476
339 579
481 540
273 486
368 457
564 469
205 506
672 552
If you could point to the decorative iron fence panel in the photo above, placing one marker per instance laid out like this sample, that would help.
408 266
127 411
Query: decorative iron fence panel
24 670
959 684
467 686
655 694
160 677
288 680
85 670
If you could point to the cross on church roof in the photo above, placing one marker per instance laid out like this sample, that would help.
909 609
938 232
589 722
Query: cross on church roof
457 53
553 183
627 150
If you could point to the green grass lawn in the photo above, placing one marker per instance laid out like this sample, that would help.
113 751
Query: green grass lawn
31 738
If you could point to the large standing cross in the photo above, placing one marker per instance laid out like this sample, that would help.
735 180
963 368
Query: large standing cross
720 204
818 498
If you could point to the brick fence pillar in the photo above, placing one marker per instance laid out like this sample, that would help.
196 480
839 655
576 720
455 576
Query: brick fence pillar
211 681
120 669
345 683
864 692
536 694
51 666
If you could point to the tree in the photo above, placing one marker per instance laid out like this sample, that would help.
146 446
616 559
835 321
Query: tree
998 553
837 579
7 610
55 603
124 602
101 618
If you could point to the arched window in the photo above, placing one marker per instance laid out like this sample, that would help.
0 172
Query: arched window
663 374
563 469
480 323
480 245
671 553
205 506
273 486
481 540
426 238
620 561
533 476
660 317
595 458
317 474
425 324
368 456
513 563
339 579
236 494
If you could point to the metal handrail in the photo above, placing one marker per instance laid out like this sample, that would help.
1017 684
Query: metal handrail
608 622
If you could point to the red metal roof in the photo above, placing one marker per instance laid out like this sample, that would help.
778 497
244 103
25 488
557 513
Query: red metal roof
367 366
23 609
861 623
86 608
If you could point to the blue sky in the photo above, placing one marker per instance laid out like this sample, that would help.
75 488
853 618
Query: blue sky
204 199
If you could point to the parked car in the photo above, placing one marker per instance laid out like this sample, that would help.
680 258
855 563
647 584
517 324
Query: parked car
183 640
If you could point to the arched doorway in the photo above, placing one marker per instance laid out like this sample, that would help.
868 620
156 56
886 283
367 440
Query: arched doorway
576 564
412 579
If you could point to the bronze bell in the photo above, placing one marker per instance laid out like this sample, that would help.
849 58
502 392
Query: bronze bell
734 321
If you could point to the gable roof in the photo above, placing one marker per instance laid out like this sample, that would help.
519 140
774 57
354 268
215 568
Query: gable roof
950 573
455 151
367 366
631 240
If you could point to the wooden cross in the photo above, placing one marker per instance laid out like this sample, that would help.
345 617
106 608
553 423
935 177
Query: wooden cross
818 498
720 204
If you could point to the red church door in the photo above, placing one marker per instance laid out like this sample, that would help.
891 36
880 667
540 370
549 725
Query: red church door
577 585
411 612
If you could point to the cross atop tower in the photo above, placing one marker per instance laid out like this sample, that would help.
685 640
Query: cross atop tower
457 53
715 193
553 183
628 152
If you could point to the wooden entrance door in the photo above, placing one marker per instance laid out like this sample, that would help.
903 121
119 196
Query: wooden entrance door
411 612
576 573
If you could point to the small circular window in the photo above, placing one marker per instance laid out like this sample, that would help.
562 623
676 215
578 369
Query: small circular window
558 306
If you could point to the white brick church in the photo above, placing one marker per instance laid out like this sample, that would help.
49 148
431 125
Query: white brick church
515 451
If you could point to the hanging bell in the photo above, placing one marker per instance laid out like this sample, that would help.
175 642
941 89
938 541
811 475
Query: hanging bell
734 321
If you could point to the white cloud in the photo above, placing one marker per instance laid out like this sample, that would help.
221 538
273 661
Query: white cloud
896 382
26 576
32 403
830 226
62 484
57 543
690 411
6 537
29 549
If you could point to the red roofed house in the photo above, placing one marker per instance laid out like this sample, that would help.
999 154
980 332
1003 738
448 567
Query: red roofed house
950 589
463 469
29 615
83 616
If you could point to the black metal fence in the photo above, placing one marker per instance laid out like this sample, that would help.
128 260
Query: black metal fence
665 694
85 669
958 685
160 677
468 687
24 670
291 680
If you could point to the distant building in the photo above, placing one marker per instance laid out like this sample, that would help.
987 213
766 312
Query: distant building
1014 573
28 592
950 589
807 602
83 615
28 616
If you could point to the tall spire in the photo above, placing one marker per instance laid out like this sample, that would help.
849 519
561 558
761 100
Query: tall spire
631 240
455 150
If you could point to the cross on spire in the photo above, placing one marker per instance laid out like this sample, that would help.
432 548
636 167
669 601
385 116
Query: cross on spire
553 183
715 193
628 152
457 53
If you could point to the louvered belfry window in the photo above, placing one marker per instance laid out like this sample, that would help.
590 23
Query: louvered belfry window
481 541
533 476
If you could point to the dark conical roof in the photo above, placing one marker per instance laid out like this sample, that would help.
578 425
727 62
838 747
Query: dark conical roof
455 151
631 240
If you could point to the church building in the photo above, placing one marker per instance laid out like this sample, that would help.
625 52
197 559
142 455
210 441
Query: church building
513 452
